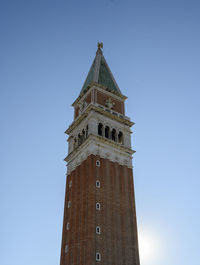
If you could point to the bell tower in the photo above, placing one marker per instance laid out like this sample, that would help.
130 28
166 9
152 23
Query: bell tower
99 225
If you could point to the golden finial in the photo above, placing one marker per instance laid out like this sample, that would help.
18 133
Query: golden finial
100 45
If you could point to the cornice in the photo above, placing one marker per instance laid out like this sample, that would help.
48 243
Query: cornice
99 139
102 147
101 111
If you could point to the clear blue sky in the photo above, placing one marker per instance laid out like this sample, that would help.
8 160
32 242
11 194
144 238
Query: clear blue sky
153 50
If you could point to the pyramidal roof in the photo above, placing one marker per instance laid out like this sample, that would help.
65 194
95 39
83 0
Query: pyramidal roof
100 73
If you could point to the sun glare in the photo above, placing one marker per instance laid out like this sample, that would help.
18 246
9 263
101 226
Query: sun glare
149 247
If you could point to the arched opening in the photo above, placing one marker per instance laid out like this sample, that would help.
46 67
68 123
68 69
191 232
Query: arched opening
83 135
120 138
114 138
79 139
107 132
86 134
100 129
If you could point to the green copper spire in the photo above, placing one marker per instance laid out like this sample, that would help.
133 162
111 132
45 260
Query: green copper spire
100 73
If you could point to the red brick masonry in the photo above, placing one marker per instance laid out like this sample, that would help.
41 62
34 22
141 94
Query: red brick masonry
117 243
101 98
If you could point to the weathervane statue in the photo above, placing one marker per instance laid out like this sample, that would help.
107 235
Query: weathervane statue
100 45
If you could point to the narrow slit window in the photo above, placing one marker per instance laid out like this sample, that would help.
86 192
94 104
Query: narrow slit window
98 163
66 248
69 204
98 256
68 226
98 206
70 184
98 230
98 185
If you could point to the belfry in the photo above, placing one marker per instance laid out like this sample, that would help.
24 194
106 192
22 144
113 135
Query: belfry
99 225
